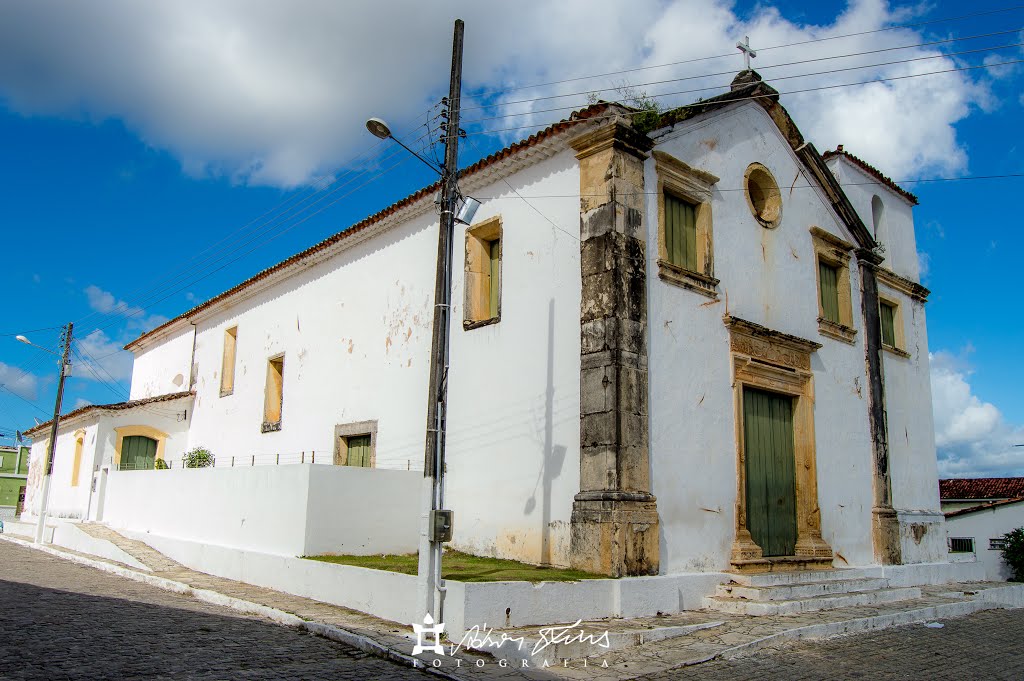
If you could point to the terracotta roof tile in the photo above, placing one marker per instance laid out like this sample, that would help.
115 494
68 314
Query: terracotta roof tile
872 171
115 406
981 488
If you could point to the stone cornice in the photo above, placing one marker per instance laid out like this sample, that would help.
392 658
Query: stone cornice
614 135
902 284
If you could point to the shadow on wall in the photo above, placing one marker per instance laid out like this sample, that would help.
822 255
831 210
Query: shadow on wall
554 455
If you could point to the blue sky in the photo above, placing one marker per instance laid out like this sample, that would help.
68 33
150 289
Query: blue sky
142 145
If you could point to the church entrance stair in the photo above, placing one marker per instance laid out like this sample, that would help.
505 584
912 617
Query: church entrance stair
791 593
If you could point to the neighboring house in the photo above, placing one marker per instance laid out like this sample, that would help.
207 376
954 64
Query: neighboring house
13 480
958 493
99 438
676 351
977 534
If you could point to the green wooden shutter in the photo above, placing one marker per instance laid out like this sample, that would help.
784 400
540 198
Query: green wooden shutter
887 315
359 451
680 233
138 453
494 249
828 281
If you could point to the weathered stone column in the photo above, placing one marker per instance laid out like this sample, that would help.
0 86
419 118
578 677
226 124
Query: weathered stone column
885 527
615 516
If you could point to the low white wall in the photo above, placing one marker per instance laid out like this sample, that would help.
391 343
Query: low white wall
389 595
70 537
287 510
362 511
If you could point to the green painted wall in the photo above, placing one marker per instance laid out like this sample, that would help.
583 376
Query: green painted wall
9 483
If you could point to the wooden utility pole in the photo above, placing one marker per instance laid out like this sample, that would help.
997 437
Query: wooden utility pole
437 399
51 446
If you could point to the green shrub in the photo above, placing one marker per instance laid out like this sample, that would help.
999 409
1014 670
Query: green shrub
1013 553
198 457
160 465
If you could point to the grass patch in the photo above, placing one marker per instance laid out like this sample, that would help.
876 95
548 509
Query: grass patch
462 567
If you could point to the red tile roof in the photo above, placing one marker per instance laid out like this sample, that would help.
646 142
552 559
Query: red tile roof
983 507
575 118
872 171
116 406
981 488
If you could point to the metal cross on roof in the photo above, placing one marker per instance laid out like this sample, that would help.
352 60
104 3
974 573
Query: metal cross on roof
744 47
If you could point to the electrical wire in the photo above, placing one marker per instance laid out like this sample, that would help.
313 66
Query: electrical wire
775 66
760 49
742 99
778 78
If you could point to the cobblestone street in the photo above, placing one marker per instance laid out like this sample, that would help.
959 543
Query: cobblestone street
65 621
986 645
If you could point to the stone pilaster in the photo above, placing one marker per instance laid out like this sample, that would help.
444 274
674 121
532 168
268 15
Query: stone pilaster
885 528
615 516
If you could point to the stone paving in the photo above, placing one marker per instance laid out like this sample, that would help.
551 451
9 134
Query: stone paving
65 621
734 635
986 645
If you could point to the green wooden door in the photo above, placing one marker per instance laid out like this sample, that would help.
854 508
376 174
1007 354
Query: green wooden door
359 451
771 468
138 453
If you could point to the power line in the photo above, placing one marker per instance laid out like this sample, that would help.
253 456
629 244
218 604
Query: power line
741 99
265 225
775 66
211 272
760 49
778 78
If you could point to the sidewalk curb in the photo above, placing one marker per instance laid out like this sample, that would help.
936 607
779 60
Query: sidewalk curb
328 631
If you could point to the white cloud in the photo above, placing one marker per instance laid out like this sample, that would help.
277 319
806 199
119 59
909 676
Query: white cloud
971 436
19 382
81 402
99 349
274 93
106 303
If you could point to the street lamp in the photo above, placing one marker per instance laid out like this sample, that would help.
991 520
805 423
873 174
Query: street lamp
439 521
51 446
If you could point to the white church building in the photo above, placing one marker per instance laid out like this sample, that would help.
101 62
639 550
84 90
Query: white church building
696 348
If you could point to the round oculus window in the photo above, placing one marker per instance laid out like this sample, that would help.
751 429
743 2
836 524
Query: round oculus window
763 195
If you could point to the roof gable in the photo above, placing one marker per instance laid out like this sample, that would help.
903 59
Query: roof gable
748 86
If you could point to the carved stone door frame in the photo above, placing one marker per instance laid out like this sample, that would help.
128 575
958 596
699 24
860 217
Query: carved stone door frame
780 363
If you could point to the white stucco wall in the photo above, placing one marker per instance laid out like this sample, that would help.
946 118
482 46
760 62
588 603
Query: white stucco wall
767 277
991 523
64 501
514 386
895 232
289 510
163 368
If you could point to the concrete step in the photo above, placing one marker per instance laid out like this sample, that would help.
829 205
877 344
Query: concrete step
792 592
739 606
803 576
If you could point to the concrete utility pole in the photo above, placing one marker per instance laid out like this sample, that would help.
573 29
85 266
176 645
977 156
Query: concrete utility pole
431 540
65 362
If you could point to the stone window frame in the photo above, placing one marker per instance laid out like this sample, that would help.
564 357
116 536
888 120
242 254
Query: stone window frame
76 461
694 186
342 431
897 325
268 425
473 296
229 360
758 173
777 362
835 252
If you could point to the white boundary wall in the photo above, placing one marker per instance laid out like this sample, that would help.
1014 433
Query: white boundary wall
290 510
